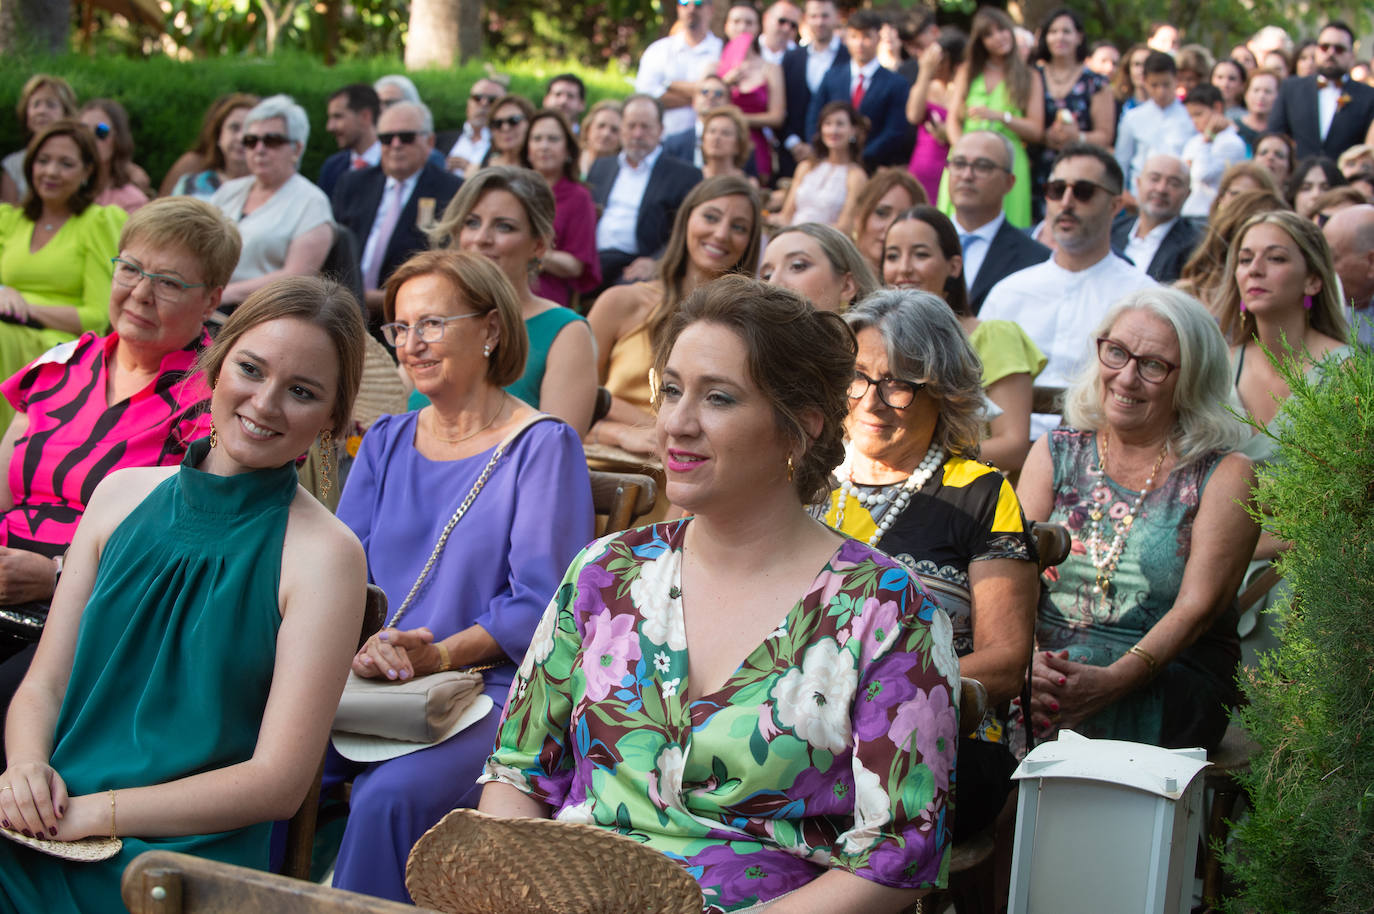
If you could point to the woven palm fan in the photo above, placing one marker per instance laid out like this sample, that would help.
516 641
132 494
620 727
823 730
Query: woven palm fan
471 863
86 850
381 390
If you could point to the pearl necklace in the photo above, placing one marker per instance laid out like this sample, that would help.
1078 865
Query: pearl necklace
933 460
1105 562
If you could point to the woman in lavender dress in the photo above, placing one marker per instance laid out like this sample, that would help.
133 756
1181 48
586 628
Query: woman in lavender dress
485 593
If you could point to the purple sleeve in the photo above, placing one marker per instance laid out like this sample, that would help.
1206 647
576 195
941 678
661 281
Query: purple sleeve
552 521
574 232
360 492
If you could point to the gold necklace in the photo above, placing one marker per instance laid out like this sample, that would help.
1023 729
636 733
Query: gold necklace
1105 561
438 437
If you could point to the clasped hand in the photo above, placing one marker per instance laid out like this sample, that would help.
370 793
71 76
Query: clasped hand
25 576
1065 693
33 800
396 654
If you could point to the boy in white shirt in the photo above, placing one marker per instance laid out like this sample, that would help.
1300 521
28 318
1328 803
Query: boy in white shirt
1161 124
1214 147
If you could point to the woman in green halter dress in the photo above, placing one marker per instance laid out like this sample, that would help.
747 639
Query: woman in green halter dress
200 635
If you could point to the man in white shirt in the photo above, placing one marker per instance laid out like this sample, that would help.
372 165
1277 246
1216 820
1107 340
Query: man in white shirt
670 67
469 146
1351 235
1161 124
980 177
780 24
1160 241
1058 302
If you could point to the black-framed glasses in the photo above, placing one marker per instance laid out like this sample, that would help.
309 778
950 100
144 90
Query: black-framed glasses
1116 356
270 140
482 98
980 167
165 288
1082 190
405 136
893 392
428 329
788 23
101 130
501 123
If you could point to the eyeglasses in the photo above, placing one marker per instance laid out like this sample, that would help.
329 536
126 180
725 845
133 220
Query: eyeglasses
165 288
270 140
691 2
428 329
1082 190
1151 368
501 123
1332 48
711 92
893 392
101 130
980 167
405 136
787 23
482 98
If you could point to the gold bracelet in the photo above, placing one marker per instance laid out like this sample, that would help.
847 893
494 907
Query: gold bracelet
444 662
113 831
1145 655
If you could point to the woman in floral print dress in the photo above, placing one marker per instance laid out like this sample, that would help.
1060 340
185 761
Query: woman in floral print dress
744 690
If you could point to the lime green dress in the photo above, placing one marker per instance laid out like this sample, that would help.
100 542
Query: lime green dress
1017 202
172 669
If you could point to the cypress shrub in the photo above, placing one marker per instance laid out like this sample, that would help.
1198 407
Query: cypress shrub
1308 844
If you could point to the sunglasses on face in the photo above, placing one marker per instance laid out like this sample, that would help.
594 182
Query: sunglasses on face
269 140
690 2
101 130
501 123
481 99
1332 48
712 93
1082 190
787 23
405 136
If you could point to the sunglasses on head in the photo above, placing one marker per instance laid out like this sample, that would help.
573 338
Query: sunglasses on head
482 99
101 130
405 136
270 140
501 123
1082 190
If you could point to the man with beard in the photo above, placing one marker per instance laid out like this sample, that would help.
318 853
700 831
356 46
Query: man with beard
1160 241
1327 113
1058 301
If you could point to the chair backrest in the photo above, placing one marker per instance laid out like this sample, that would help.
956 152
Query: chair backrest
1052 542
1047 400
622 497
342 263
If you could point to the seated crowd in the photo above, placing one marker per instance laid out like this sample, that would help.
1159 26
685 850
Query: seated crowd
815 276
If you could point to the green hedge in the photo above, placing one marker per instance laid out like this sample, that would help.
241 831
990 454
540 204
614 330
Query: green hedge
166 99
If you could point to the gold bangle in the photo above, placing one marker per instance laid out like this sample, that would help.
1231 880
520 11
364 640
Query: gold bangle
444 662
113 831
1145 655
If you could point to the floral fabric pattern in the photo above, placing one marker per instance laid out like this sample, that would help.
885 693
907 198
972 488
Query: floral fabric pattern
832 746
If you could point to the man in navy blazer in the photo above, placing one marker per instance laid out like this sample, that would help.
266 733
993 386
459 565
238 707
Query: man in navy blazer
1159 240
638 193
363 199
882 98
351 118
1327 113
803 69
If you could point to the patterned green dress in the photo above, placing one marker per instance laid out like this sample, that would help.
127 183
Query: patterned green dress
831 747
172 668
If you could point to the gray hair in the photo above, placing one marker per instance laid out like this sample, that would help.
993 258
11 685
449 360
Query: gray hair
1001 138
1204 424
426 116
292 114
844 257
926 343
408 90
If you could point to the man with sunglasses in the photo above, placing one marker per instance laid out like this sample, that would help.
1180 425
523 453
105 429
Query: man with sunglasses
351 118
780 24
1057 301
1328 112
467 147
670 67
389 206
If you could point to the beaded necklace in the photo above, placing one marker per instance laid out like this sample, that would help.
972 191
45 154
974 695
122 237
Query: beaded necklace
930 463
1105 562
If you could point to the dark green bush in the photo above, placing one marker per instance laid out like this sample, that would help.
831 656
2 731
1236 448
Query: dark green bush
1308 844
166 99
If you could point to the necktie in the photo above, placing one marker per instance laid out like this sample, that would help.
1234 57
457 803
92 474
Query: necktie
964 239
858 96
381 236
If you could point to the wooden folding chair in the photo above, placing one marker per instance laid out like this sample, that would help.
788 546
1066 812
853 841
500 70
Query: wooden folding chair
621 497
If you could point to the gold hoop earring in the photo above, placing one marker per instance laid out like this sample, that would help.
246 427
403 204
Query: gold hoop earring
790 468
326 462
214 435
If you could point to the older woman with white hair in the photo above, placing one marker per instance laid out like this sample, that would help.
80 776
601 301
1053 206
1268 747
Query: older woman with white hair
1137 641
912 486
286 221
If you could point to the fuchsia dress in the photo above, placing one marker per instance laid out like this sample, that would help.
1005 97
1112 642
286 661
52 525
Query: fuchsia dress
929 156
755 101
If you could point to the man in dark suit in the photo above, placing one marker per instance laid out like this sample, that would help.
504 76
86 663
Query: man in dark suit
388 207
352 120
639 193
1158 241
1327 113
878 93
802 72
980 177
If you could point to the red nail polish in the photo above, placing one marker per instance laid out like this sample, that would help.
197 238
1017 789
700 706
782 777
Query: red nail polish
1062 680
53 831
1054 706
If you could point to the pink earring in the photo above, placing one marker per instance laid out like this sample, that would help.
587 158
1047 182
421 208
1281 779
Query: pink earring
1307 302
1242 306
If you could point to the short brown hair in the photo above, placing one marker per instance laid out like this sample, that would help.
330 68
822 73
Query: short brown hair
193 225
90 157
484 288
319 302
744 147
775 325
59 87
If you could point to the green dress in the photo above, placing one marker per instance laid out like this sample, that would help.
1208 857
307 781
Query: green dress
172 669
1017 201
